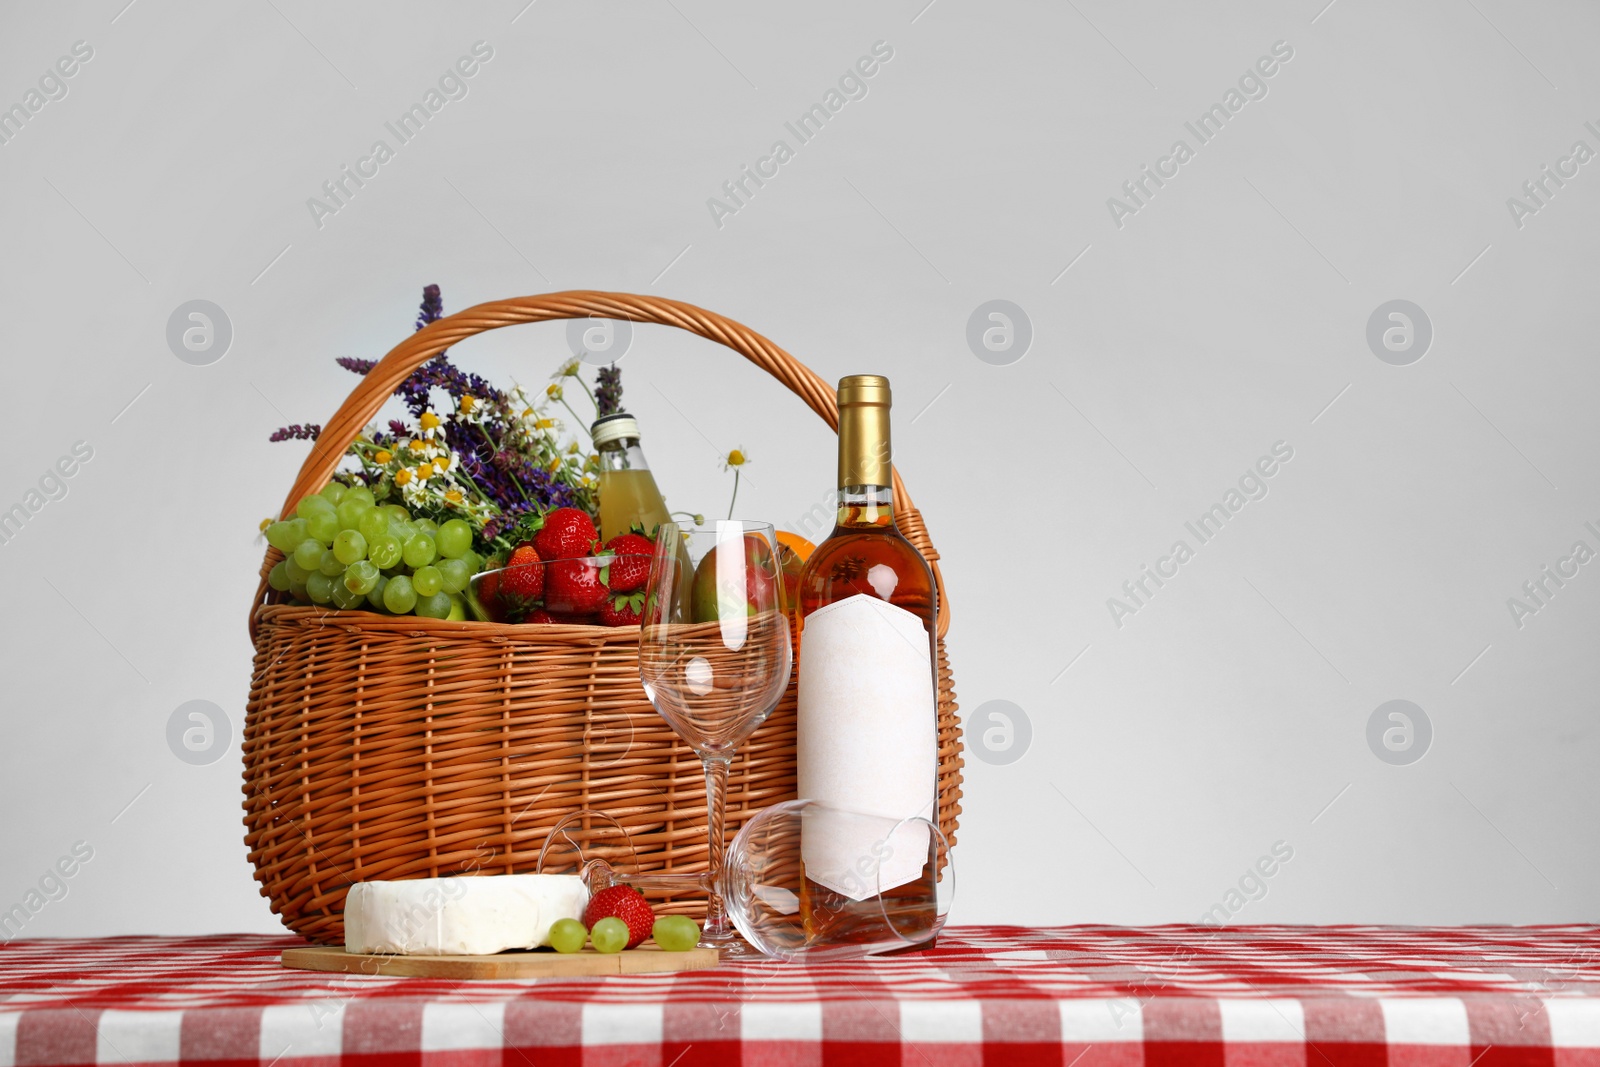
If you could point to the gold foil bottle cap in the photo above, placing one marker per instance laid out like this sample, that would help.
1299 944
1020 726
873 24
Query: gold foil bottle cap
864 389
864 452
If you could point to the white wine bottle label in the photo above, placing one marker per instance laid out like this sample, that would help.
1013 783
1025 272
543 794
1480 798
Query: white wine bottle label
867 741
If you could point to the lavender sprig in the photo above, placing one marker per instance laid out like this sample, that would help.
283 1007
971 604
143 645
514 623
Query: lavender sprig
608 391
308 432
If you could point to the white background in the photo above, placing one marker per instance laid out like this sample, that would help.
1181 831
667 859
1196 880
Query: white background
1229 713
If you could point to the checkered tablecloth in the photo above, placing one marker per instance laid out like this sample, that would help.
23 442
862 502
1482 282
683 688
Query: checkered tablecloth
1080 996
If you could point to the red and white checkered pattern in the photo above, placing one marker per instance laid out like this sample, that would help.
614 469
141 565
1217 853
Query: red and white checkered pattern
1082 996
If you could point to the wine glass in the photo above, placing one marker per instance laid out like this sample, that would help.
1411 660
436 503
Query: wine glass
714 658
775 875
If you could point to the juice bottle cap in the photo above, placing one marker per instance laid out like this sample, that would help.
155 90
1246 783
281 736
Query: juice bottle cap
611 428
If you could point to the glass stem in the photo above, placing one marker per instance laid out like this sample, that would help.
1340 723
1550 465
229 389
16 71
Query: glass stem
717 925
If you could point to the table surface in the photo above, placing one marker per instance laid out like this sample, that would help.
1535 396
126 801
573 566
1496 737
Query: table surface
1076 996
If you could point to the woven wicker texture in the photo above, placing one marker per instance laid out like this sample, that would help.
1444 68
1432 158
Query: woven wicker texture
378 747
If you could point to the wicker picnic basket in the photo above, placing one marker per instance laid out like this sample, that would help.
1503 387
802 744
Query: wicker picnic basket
403 747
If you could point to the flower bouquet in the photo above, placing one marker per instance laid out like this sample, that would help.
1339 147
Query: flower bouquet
474 504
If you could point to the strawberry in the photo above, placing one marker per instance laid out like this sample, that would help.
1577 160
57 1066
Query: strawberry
622 610
522 582
567 534
626 903
631 566
539 615
573 587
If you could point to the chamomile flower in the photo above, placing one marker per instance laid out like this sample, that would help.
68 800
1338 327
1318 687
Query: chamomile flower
569 369
734 461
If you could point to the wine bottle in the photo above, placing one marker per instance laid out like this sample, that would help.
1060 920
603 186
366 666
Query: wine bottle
867 727
628 493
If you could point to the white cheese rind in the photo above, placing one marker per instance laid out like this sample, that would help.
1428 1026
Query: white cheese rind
476 915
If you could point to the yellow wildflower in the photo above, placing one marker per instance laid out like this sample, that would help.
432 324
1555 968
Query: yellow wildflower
402 476
382 456
454 498
424 472
429 421
553 391
735 460
417 446
468 402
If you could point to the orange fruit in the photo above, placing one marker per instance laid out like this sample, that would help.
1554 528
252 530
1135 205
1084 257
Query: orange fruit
798 544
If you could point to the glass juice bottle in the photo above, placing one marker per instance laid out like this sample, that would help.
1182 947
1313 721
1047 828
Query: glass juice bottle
628 493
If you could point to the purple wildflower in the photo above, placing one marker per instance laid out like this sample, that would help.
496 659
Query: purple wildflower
356 366
308 432
432 306
608 390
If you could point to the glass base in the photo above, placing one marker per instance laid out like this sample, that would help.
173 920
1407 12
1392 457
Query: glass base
735 948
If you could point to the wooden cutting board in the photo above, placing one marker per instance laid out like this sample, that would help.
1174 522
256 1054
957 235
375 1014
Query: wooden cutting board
524 964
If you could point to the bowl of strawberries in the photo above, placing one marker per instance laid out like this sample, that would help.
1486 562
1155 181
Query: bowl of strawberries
563 573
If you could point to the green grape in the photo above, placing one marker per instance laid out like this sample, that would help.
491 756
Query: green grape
351 512
458 610
436 606
319 587
398 596
324 526
313 505
283 536
609 935
334 492
374 524
296 571
455 574
398 512
375 596
345 597
361 494
297 590
384 551
454 538
361 576
676 933
308 554
567 935
330 566
402 531
419 551
473 561
427 526
349 546
278 576
427 580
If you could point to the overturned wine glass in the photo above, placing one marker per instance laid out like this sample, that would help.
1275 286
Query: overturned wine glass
800 881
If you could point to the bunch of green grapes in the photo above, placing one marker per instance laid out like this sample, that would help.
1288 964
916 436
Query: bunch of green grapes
343 548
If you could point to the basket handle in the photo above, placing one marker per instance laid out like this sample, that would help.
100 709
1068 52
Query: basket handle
379 384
